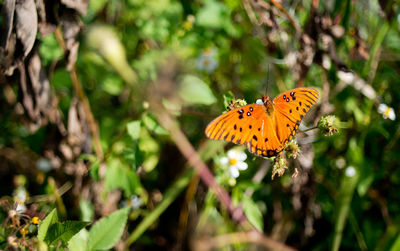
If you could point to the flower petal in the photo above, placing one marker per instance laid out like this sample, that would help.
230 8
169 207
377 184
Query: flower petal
391 114
241 156
382 108
233 171
241 165
350 171
232 154
224 160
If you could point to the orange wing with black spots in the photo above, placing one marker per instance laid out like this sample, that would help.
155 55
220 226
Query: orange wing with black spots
264 129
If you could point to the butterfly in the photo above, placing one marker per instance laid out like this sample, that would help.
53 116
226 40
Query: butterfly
265 127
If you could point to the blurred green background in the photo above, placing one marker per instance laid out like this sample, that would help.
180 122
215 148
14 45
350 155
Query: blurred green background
138 59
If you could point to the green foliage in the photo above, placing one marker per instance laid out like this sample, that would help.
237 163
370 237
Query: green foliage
50 219
106 232
192 60
195 92
253 213
52 232
63 231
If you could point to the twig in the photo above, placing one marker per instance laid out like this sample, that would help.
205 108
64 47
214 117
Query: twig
85 102
249 12
169 196
240 237
309 129
202 170
282 9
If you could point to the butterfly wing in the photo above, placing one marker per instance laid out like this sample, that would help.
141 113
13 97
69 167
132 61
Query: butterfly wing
248 125
290 108
264 133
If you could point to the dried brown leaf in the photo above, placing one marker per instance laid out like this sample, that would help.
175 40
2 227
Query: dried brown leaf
26 24
8 11
78 5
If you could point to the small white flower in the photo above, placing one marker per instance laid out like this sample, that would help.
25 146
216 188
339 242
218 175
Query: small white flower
20 197
386 111
235 160
208 60
20 194
134 202
21 208
350 171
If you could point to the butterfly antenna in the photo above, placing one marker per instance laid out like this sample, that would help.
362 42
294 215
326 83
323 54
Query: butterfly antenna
266 88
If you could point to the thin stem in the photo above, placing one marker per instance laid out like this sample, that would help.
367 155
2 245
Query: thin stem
83 98
309 129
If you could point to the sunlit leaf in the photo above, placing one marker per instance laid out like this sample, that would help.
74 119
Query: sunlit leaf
63 231
106 232
253 213
194 91
79 241
50 219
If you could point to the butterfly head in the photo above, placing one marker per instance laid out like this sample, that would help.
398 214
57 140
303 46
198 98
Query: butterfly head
268 104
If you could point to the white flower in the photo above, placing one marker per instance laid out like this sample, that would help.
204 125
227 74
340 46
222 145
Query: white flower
20 197
134 202
259 102
21 208
208 60
235 160
386 111
350 171
20 194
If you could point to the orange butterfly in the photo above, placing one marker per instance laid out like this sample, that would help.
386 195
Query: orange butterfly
264 128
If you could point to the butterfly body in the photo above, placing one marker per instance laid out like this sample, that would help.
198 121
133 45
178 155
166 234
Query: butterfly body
264 128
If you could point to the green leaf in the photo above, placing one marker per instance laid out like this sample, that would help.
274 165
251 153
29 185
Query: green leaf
79 241
346 191
94 171
252 212
50 219
133 128
112 85
396 244
106 232
63 231
87 210
153 125
212 15
119 176
228 97
195 91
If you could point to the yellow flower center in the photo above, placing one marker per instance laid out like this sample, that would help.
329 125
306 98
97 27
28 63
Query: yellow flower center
387 111
232 162
35 220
